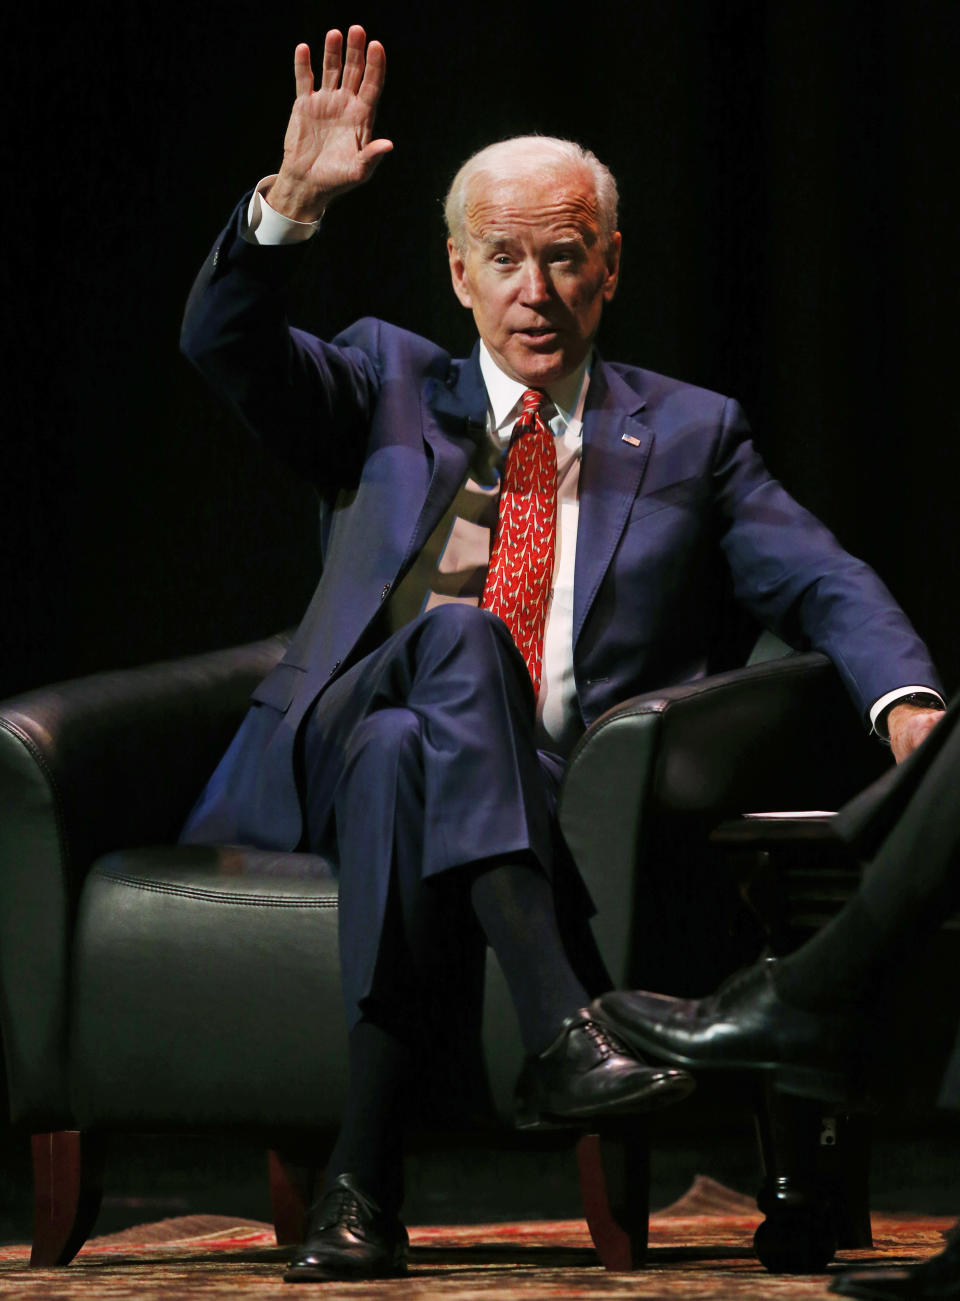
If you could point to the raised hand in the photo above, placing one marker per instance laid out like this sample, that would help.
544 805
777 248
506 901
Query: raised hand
328 146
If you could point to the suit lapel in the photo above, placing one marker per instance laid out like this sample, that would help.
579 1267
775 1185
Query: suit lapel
400 501
616 448
454 414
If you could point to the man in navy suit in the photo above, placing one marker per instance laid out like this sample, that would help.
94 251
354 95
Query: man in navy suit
403 730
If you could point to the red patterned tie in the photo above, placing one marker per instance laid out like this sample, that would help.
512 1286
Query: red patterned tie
521 558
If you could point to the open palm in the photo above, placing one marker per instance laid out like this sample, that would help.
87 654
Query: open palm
329 145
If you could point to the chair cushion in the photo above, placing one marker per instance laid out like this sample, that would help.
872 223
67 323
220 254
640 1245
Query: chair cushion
206 990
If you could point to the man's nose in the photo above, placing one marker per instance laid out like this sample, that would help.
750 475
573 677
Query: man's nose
534 287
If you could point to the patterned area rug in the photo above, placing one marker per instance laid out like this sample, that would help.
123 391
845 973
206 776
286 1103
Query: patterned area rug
699 1247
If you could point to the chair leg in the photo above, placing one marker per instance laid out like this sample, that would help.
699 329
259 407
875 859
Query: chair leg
291 1192
800 1187
67 1187
614 1168
816 1191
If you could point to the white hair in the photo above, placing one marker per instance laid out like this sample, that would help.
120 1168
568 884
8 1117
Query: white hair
539 152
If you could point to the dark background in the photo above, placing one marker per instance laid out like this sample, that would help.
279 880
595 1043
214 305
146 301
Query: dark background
790 234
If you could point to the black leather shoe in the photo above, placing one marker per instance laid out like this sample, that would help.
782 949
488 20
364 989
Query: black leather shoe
349 1237
936 1279
745 1025
587 1072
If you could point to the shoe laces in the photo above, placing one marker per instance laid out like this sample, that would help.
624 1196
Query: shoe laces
348 1206
606 1043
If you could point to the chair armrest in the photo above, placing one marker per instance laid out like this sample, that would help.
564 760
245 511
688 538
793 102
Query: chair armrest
124 754
102 762
776 735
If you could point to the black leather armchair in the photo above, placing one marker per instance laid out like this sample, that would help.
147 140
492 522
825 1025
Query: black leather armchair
149 987
778 734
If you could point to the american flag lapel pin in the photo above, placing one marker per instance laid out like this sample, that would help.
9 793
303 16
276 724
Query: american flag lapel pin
629 438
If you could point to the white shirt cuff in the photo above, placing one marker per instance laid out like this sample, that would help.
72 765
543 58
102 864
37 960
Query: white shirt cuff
265 226
878 706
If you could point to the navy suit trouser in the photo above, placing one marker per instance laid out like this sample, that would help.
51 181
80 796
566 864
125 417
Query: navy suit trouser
419 760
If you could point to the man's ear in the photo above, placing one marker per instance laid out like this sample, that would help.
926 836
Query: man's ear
612 259
458 274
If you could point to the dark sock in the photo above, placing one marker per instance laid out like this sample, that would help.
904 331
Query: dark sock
515 906
370 1142
864 945
838 966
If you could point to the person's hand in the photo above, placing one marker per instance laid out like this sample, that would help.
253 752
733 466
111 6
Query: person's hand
908 725
328 146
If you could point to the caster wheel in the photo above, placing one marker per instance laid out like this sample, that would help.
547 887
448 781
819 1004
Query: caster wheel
795 1243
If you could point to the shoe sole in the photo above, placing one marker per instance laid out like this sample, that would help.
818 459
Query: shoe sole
331 1274
654 1095
791 1078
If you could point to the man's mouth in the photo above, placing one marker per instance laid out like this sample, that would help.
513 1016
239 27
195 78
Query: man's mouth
536 332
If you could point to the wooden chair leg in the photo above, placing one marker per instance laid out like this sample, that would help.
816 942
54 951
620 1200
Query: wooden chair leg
291 1192
614 1168
816 1191
798 1235
67 1187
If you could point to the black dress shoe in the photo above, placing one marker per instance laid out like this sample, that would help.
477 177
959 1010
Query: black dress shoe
587 1072
936 1279
349 1237
745 1025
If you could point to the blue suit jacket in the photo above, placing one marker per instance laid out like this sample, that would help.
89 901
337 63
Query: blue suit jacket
677 513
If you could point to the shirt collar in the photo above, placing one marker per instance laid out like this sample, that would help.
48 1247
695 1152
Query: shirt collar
504 393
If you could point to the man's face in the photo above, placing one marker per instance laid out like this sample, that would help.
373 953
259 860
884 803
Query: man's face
533 271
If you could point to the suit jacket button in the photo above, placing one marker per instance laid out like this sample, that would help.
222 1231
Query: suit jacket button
385 592
334 669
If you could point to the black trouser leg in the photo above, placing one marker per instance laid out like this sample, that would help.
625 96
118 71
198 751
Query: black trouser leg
910 887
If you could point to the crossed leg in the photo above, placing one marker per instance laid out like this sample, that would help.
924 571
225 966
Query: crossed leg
420 762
